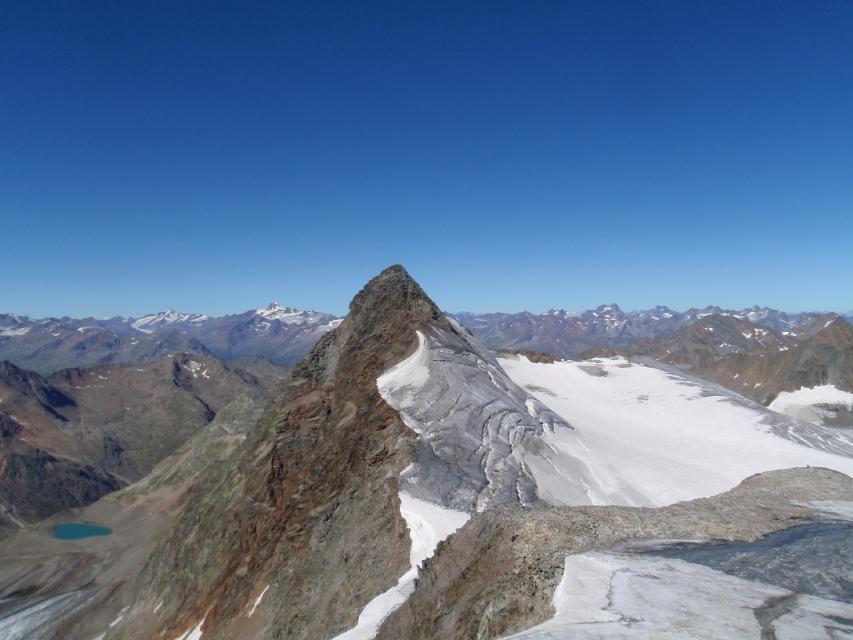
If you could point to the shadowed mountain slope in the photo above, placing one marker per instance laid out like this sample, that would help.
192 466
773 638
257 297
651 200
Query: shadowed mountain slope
824 359
80 433
710 338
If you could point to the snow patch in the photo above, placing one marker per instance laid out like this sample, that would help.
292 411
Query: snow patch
147 324
119 618
9 332
258 601
407 376
196 369
288 315
428 525
192 634
838 508
805 403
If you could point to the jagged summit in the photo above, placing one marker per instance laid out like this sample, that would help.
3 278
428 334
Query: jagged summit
837 332
396 294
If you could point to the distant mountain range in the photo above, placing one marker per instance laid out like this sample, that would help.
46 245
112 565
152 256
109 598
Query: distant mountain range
280 334
713 337
283 335
569 334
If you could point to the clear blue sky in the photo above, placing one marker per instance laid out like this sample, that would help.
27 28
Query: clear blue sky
212 156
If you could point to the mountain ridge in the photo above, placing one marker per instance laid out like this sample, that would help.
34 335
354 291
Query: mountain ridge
284 334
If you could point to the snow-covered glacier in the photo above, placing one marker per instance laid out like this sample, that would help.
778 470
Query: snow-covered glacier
647 436
606 431
475 426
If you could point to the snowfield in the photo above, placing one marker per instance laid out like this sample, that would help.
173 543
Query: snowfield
643 436
813 404
602 432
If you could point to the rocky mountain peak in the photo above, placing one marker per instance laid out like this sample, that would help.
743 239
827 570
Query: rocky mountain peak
612 307
393 297
837 332
316 467
379 331
274 308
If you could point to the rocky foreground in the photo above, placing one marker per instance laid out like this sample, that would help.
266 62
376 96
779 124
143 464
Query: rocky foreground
497 575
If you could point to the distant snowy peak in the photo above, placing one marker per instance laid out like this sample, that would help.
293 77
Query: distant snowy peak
12 325
272 312
289 315
147 324
275 311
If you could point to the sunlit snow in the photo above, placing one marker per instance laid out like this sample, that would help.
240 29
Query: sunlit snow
408 376
646 437
14 331
192 634
805 402
258 601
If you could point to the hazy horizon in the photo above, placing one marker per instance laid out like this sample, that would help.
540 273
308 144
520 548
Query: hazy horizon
513 156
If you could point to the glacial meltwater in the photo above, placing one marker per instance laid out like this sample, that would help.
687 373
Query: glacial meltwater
77 530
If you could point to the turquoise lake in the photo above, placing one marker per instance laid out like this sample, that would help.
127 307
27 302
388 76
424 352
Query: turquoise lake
77 530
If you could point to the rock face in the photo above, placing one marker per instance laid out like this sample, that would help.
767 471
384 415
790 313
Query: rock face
498 574
35 484
42 467
136 415
308 502
48 586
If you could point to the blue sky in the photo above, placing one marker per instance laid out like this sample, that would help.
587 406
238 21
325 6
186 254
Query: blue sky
212 157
